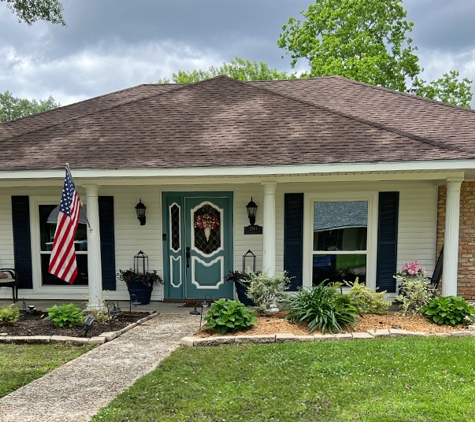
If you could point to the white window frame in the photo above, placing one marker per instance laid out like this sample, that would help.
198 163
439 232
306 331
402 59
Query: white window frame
372 231
40 290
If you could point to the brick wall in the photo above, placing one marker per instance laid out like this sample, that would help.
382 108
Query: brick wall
466 265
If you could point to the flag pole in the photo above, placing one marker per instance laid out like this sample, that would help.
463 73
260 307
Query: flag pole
82 206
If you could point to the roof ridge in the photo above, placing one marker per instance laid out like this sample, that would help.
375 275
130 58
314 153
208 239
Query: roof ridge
364 121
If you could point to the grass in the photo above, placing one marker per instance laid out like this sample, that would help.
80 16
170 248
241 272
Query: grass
23 363
402 379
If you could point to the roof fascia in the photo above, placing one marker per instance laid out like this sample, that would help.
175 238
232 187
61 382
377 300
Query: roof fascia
250 171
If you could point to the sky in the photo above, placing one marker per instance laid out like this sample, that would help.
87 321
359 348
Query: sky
109 45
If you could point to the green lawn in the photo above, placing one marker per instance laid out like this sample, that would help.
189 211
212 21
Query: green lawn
402 379
23 363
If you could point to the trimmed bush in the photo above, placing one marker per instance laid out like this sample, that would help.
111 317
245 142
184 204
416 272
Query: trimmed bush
266 290
323 307
9 315
415 293
368 301
449 310
229 316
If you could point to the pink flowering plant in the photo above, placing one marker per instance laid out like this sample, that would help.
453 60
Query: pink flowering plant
207 219
414 287
413 269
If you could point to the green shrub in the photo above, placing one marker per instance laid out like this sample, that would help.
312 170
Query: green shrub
415 293
65 315
266 290
9 315
368 301
101 316
323 307
229 315
449 310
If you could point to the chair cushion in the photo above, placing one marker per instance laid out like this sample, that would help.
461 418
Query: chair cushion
3 275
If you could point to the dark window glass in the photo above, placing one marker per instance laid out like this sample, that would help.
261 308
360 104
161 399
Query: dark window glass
175 227
207 239
48 221
339 268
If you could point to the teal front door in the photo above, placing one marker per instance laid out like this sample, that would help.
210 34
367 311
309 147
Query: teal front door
197 234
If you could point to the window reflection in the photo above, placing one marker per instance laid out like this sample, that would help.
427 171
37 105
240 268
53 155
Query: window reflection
339 228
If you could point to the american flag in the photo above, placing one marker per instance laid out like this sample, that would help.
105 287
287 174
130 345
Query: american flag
63 257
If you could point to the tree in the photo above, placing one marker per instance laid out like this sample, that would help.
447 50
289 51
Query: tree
12 108
447 89
365 40
30 11
243 70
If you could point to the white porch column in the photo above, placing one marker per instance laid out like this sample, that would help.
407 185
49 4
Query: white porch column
94 248
451 240
268 247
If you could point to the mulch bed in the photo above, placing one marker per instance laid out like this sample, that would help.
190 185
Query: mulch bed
35 325
274 323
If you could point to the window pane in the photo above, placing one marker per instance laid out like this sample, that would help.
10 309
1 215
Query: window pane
340 226
339 268
207 224
48 220
51 280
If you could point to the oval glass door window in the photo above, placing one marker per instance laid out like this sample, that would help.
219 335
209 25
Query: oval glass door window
207 226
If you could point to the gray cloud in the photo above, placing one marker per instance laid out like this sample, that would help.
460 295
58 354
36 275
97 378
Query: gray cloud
113 44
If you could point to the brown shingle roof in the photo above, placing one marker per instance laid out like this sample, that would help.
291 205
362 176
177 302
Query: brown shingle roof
223 122
430 120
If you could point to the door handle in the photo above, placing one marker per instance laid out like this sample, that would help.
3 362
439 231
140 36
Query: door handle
188 254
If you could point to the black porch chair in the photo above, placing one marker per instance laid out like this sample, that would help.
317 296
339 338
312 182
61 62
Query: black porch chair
439 266
11 280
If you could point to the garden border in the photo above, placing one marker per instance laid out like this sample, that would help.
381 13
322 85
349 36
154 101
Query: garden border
100 339
289 337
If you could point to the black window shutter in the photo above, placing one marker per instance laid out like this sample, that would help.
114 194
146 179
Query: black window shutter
106 222
293 238
388 215
22 240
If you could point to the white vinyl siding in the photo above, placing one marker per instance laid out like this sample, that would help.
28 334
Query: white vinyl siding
416 239
6 233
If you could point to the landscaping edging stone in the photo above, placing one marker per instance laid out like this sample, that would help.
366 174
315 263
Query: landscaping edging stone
100 339
289 337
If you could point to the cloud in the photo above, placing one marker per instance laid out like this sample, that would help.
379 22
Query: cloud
114 44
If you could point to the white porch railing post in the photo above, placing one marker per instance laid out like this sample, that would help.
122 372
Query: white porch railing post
451 240
94 263
268 247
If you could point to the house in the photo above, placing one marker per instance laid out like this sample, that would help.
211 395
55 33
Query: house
348 179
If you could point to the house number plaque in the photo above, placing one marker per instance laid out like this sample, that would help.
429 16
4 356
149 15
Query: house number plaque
253 229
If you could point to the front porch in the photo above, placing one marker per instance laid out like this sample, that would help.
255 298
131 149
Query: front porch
163 308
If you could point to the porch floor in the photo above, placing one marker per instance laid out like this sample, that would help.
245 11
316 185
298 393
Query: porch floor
163 308
160 307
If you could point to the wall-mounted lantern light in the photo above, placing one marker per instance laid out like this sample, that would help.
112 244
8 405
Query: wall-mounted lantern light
140 210
251 211
251 208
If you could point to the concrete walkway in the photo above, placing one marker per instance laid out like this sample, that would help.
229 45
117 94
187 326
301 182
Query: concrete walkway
77 390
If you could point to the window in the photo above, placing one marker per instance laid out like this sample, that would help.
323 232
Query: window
339 241
48 218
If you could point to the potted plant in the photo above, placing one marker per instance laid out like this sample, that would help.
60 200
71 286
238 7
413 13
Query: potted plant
241 281
140 284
